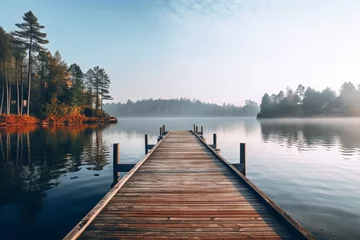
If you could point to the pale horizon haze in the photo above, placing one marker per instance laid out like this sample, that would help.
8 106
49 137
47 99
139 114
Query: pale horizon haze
211 50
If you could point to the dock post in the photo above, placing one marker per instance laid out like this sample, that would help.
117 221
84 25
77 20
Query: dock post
243 157
146 144
196 129
214 140
116 161
164 129
202 130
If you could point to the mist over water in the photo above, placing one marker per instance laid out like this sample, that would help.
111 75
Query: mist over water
51 177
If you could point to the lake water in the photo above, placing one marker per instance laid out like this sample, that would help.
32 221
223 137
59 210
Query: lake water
51 177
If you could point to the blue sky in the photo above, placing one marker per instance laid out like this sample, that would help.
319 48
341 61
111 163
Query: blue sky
212 50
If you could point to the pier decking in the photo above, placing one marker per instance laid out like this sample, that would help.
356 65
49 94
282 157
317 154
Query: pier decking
183 189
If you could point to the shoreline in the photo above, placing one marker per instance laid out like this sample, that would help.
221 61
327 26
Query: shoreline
307 117
23 120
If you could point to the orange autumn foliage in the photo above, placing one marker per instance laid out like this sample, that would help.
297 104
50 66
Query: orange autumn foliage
18 128
21 120
72 119
17 120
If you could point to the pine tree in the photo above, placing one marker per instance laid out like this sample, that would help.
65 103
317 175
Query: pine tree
77 85
105 85
31 36
90 76
98 73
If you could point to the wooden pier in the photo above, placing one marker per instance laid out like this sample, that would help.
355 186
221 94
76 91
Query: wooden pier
183 189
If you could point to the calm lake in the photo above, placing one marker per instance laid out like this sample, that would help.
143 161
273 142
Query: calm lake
51 177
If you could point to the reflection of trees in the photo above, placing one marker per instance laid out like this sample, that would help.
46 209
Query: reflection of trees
32 161
96 152
313 133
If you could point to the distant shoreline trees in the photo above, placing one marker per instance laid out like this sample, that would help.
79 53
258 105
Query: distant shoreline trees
310 102
60 90
182 107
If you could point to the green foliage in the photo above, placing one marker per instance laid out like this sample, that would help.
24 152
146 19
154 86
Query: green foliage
31 37
99 84
312 103
58 89
77 85
91 112
61 109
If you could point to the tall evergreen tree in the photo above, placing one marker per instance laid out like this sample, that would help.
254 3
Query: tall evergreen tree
77 85
105 85
98 75
31 36
90 76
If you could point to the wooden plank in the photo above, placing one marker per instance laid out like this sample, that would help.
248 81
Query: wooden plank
184 190
287 218
85 222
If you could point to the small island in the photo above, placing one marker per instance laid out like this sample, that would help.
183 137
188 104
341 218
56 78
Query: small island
312 103
38 87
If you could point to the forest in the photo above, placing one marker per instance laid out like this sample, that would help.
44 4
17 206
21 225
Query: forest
182 107
312 103
36 82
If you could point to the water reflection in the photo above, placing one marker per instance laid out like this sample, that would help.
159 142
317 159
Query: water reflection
51 177
33 159
310 134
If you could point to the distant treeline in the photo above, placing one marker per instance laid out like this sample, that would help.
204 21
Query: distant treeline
310 102
179 107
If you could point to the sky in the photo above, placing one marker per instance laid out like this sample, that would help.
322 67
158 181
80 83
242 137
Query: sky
213 50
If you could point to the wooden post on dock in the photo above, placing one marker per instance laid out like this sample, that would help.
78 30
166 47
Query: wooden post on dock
214 140
202 130
146 144
116 161
243 157
194 128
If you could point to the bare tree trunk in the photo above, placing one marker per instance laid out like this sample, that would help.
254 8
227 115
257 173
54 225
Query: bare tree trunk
7 90
10 94
17 88
97 98
2 98
22 91
91 98
29 80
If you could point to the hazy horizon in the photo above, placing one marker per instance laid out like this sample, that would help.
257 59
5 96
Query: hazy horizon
214 51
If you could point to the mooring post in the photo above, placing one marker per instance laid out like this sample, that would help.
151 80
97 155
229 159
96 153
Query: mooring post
196 129
116 161
214 140
202 130
146 144
243 157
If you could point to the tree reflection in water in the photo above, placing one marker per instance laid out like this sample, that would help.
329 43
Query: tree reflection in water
33 159
310 134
